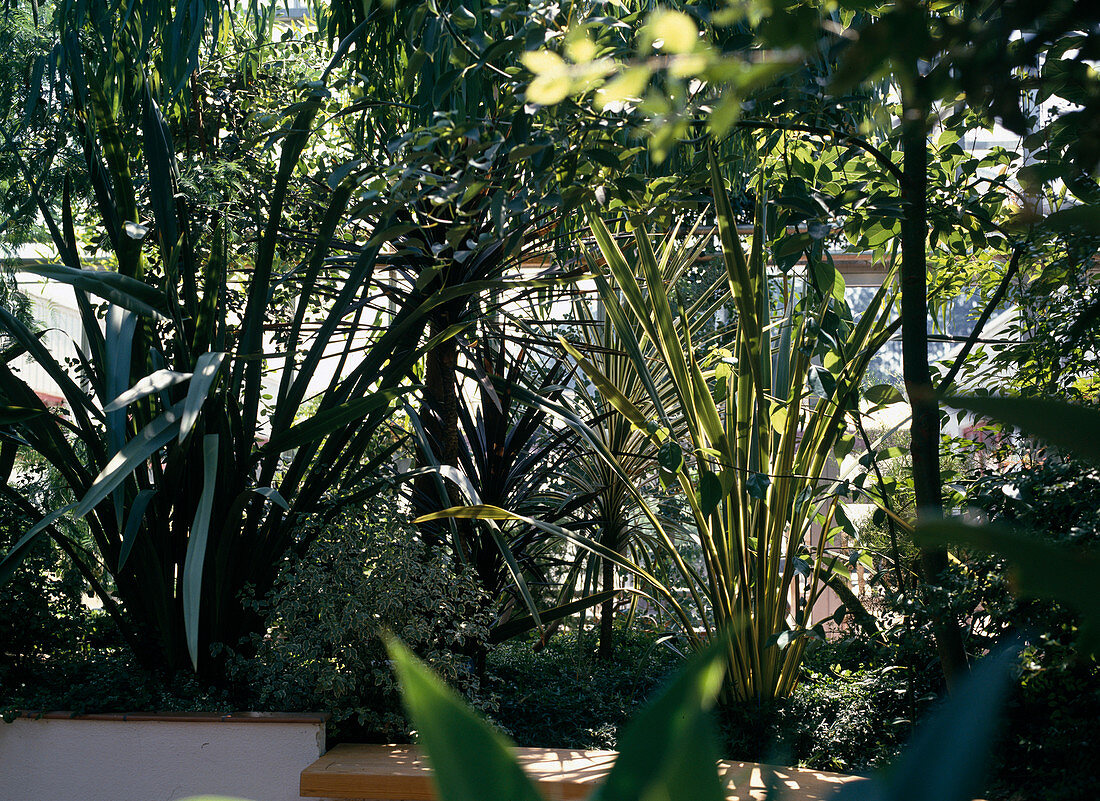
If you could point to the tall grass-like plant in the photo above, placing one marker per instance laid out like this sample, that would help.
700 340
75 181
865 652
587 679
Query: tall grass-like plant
613 516
191 460
746 434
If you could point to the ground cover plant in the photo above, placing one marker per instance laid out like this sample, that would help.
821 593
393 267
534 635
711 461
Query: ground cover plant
464 323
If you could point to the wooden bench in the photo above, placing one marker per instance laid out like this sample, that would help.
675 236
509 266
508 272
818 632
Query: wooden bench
399 773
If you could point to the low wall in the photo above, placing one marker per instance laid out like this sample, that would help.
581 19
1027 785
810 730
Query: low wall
59 757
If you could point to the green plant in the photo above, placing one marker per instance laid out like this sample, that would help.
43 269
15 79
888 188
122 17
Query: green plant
183 447
759 423
42 617
565 695
612 516
669 750
744 434
365 574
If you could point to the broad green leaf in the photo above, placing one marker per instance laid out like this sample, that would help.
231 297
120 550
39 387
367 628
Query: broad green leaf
1073 428
151 384
541 62
710 491
675 31
549 88
148 441
196 547
630 84
1076 220
883 394
757 485
206 369
579 46
670 456
1041 569
669 750
470 760
551 83
127 292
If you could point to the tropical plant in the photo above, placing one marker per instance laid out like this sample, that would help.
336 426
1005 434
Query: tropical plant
669 749
188 458
611 515
759 432
504 455
757 425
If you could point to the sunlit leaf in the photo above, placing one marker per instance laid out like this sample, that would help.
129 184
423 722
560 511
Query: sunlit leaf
470 760
151 384
206 370
628 85
675 31
148 441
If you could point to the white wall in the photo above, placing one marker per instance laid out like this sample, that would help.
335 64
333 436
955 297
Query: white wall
114 760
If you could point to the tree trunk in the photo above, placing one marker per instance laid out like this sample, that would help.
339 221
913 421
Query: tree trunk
439 416
607 614
925 445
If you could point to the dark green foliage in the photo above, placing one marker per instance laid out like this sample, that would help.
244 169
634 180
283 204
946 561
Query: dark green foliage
565 696
40 608
1051 743
321 651
847 720
668 750
105 677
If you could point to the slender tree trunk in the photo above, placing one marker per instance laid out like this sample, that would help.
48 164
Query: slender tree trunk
607 614
925 446
439 415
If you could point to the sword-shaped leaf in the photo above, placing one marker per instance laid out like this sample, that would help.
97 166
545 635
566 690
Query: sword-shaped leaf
470 760
151 384
127 292
196 547
206 369
149 440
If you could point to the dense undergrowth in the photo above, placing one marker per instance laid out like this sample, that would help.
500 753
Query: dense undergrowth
855 706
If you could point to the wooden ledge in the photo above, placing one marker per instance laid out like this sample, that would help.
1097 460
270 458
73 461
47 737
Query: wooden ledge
399 773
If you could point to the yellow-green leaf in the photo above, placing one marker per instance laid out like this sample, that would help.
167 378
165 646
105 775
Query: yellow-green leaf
543 62
630 85
674 31
549 88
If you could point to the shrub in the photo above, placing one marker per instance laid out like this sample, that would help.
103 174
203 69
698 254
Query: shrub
322 650
42 615
108 679
563 696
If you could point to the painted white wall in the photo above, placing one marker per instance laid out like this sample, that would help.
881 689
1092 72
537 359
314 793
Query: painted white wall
115 760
